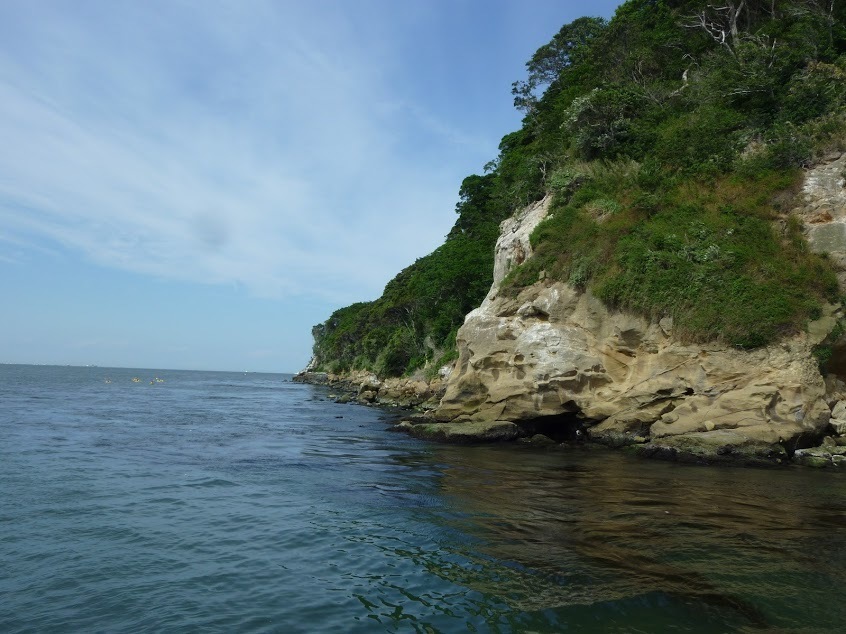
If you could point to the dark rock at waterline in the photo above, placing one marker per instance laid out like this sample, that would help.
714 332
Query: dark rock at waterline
719 447
615 439
463 433
313 378
829 454
539 440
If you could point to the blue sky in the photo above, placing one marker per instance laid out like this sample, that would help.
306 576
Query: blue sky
194 184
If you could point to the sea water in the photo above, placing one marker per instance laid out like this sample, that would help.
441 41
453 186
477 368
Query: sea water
233 502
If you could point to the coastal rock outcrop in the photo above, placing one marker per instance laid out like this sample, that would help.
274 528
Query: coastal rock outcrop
463 433
556 353
554 363
367 389
553 350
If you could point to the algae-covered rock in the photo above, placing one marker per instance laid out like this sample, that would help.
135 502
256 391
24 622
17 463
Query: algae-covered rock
616 438
539 440
720 446
830 453
466 432
815 457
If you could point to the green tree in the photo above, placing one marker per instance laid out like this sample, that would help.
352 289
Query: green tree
567 48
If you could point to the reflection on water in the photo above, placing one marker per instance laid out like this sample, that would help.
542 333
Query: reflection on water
557 530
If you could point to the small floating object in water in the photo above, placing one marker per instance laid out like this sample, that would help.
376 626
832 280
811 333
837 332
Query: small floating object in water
135 379
108 380
158 380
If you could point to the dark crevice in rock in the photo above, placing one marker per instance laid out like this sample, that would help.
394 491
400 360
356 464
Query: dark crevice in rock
669 407
562 427
802 441
836 364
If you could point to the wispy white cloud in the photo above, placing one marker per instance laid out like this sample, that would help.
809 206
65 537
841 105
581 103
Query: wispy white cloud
257 144
14 249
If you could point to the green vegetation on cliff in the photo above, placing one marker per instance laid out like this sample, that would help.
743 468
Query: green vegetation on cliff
421 308
673 137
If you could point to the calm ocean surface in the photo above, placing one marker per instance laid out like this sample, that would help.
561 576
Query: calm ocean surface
231 502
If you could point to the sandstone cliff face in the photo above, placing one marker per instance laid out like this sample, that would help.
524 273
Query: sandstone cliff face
553 351
823 210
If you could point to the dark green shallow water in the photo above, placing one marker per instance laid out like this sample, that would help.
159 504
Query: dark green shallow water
224 502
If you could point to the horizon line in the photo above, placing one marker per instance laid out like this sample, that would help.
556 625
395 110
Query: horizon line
118 367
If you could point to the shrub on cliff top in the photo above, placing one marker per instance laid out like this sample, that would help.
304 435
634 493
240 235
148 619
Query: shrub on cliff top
694 232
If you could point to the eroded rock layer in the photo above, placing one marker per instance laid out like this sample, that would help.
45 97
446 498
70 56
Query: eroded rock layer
554 350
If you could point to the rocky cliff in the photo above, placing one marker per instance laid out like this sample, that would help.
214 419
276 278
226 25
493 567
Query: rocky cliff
556 359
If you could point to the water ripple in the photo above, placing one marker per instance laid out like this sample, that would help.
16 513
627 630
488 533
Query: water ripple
230 502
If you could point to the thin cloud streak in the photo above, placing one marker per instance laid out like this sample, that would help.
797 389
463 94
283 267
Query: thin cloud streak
255 145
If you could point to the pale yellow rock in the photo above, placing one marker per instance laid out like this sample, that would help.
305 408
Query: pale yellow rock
554 350
839 426
824 211
513 247
819 328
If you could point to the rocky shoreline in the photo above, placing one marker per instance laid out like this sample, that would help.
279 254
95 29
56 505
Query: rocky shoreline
365 388
553 364
420 398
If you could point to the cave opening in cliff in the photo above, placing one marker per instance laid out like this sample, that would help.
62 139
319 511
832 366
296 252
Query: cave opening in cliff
836 364
563 427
